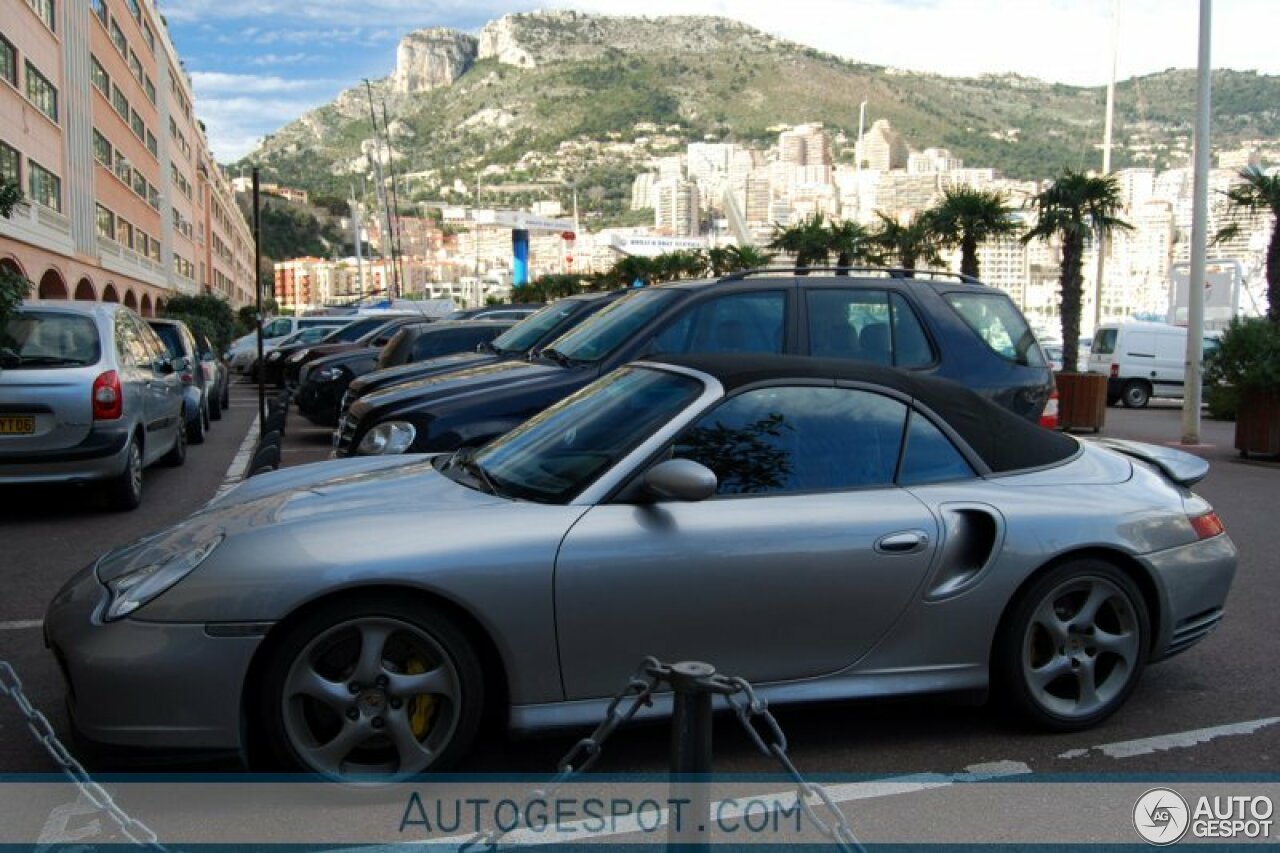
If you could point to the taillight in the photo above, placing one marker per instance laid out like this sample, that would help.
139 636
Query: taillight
187 377
1208 525
108 399
1115 371
1049 417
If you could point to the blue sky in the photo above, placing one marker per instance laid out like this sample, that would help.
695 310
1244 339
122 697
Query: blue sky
258 64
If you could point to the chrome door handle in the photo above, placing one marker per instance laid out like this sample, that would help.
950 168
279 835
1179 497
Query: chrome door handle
907 542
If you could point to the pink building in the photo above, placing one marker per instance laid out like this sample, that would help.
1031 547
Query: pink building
124 202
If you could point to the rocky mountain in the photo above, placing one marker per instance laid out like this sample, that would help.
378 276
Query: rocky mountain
540 99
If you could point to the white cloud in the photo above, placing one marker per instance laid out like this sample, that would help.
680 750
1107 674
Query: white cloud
237 124
213 83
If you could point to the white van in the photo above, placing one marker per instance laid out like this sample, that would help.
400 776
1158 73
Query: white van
1142 360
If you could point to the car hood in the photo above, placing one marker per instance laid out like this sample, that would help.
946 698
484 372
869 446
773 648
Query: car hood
418 369
344 357
345 489
468 380
320 350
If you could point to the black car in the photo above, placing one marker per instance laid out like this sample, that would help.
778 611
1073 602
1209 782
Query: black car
515 311
280 359
940 323
325 380
401 361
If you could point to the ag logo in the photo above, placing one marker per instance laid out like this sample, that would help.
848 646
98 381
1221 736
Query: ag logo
1161 816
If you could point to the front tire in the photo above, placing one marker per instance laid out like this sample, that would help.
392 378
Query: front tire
371 686
1074 646
196 428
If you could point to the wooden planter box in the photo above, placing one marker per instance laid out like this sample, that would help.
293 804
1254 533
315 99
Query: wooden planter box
1082 401
1258 423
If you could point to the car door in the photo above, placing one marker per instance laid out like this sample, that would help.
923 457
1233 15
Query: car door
803 559
1170 363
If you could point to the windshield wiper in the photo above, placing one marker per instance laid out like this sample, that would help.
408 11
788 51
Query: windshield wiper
463 458
50 360
560 358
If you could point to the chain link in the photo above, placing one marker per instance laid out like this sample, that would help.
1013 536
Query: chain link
40 727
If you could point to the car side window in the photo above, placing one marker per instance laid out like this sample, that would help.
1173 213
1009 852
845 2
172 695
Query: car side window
866 325
157 352
123 338
798 439
141 354
738 322
929 456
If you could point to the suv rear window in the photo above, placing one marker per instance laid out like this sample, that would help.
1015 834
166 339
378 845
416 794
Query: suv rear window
172 339
1104 341
34 340
1000 326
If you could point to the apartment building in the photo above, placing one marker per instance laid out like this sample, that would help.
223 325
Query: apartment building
124 201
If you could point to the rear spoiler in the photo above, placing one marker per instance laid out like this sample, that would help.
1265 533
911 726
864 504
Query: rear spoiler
1179 466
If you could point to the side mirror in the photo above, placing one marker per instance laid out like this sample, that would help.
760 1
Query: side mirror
179 365
164 366
680 480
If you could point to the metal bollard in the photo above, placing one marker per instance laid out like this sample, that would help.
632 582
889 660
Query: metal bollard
687 820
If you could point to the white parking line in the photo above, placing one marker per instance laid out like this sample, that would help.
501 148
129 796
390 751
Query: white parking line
21 625
1175 740
240 463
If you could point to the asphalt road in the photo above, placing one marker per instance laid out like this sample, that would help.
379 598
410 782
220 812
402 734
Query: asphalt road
1211 710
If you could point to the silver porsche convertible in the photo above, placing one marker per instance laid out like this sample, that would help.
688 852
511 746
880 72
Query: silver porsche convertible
827 530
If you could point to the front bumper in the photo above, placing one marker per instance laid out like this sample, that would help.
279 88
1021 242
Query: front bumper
1193 582
146 684
320 402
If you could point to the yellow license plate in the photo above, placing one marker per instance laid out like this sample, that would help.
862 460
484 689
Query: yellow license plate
17 424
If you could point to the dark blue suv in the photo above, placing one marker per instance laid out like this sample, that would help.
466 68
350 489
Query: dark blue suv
939 323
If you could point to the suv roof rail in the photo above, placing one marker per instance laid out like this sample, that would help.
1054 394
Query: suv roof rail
884 272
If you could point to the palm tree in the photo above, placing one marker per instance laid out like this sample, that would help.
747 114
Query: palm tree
908 244
1260 193
852 244
807 240
724 260
968 217
1073 209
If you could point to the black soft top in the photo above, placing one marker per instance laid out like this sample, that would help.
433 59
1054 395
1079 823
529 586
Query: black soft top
1003 440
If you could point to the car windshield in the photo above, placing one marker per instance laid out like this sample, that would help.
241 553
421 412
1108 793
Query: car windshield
352 331
523 336
606 331
1104 341
38 339
553 456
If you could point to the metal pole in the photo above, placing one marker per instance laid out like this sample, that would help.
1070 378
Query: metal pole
1106 157
687 823
395 203
257 277
1199 236
386 202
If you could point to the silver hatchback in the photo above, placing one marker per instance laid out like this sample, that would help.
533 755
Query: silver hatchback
88 393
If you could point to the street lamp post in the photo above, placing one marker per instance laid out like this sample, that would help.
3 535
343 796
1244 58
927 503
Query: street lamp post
1199 237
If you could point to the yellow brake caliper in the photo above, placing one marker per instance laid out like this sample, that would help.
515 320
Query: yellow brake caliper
420 707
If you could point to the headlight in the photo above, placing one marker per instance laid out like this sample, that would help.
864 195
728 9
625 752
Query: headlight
134 589
328 374
387 438
298 356
275 355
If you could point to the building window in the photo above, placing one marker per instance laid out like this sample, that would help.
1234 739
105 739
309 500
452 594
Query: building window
153 196
117 36
152 145
44 186
153 251
8 61
120 102
135 122
149 88
148 36
44 8
106 223
135 66
124 233
101 149
100 9
41 92
123 169
139 184
10 164
101 79
135 10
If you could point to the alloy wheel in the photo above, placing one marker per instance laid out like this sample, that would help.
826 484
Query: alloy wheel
371 695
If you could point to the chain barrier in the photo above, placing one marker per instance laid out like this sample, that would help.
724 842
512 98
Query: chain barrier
750 710
131 828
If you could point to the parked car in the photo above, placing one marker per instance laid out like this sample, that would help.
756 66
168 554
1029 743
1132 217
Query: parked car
243 351
939 323
1142 360
88 394
823 528
327 379
182 348
288 355
309 335
514 312
217 377
402 360
296 366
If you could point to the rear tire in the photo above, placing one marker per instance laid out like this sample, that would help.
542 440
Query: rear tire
215 408
1136 393
1073 646
124 491
196 428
